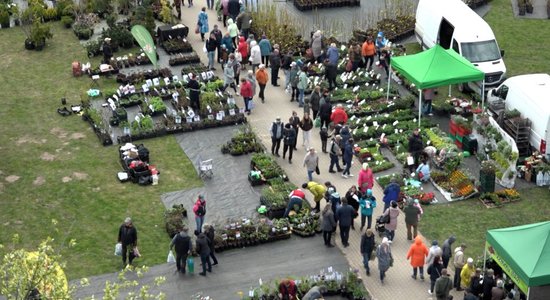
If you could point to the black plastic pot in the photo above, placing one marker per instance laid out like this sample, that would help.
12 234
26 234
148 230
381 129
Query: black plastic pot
29 45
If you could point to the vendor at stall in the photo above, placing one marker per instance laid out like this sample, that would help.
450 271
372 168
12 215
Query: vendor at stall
423 171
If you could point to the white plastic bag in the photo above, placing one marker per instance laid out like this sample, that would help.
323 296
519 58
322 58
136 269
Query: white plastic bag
171 259
118 249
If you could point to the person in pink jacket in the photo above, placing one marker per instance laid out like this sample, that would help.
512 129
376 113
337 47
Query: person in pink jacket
246 93
199 208
365 180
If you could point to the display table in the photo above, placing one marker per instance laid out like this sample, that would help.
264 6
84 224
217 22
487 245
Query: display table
166 32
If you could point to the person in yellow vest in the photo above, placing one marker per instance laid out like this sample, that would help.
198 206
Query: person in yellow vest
318 190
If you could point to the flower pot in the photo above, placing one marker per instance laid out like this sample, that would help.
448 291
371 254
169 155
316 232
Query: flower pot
29 45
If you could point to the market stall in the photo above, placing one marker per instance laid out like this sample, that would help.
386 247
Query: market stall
435 67
523 252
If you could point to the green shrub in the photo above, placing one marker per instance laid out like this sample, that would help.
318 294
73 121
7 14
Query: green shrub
50 14
67 21
4 18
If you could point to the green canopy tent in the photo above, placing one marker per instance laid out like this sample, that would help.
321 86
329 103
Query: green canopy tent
523 252
436 67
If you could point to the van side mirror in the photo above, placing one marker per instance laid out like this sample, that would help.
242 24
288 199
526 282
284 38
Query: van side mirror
501 53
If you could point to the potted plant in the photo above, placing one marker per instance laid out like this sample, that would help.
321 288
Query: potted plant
4 17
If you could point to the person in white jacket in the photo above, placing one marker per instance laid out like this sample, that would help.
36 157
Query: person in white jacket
255 55
434 251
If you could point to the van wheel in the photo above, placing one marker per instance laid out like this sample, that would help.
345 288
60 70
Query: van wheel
464 88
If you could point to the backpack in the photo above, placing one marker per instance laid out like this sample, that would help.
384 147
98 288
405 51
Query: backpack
295 80
201 211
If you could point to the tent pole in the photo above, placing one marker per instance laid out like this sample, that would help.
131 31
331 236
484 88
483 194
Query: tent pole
449 90
484 257
482 94
389 81
419 106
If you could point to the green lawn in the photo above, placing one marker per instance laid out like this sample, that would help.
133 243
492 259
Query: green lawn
41 148
469 220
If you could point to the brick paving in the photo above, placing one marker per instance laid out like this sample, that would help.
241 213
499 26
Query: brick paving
398 283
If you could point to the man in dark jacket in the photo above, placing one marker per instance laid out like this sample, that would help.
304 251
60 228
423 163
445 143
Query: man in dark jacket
107 51
415 148
411 219
204 251
331 71
289 136
489 282
443 286
276 133
294 120
182 243
391 193
367 246
325 110
334 153
210 234
234 8
344 215
275 61
447 250
219 36
127 236
315 101
194 91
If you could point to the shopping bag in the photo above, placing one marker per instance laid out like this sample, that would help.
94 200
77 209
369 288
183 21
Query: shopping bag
191 264
171 259
410 160
136 252
251 105
118 249
317 122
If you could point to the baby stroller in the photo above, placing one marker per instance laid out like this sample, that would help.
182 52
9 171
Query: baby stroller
380 227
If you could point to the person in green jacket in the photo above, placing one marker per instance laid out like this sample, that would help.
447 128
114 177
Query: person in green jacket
233 32
411 219
367 203
318 190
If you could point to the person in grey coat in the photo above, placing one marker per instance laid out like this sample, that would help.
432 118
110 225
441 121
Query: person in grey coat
202 248
411 220
229 75
317 45
447 250
315 293
328 224
383 253
344 215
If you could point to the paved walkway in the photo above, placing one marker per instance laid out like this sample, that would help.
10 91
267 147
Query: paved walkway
398 284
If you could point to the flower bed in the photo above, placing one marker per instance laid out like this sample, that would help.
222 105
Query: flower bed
305 223
268 166
173 46
454 185
184 58
246 232
497 199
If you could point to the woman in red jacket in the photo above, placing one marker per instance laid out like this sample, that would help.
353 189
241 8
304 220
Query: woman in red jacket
339 115
243 50
246 93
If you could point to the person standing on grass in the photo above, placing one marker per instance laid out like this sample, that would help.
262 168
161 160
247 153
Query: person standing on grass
328 224
447 251
393 211
183 246
443 286
384 256
200 211
261 78
311 162
411 220
276 132
203 23
417 254
306 124
127 236
367 248
344 215
289 141
367 204
275 61
458 263
107 51
201 246
265 48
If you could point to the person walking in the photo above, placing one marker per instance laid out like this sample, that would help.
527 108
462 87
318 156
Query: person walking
306 124
317 46
252 79
289 141
219 36
443 286
243 20
302 85
391 193
261 78
127 237
458 263
294 120
393 212
323 134
417 254
331 72
368 50
347 157
344 215
265 49
318 190
210 234
211 46
367 203
447 251
311 162
434 270
325 110
385 258
233 31
434 251
183 246
200 211
275 61
255 55
202 23
201 246
225 11
328 224
315 101
411 219
294 79
367 248
242 48
246 93
229 74
276 133
365 179
466 273
334 153
233 8
339 115
194 92
353 195
286 61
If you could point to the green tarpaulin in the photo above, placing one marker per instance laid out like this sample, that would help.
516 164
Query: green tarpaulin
145 41
436 67
525 249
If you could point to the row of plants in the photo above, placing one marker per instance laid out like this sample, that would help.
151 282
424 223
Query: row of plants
184 58
348 285
275 196
394 29
138 77
371 155
243 141
305 223
172 46
455 185
499 198
268 166
248 232
304 5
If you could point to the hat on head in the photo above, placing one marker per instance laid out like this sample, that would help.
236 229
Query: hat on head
278 118
435 243
304 185
128 220
365 166
262 66
107 39
201 197
369 192
293 64
470 260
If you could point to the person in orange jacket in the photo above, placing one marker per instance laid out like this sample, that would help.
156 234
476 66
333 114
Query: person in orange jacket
339 115
262 77
417 254
368 50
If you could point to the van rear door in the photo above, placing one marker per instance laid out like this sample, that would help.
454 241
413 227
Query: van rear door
446 31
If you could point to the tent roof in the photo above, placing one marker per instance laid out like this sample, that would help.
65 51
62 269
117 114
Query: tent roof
436 67
526 249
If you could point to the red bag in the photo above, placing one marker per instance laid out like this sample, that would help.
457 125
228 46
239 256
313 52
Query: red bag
420 175
197 30
349 66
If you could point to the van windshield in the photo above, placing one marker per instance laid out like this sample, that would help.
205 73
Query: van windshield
481 51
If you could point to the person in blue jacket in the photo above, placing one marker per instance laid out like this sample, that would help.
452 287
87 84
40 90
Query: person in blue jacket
391 193
348 156
227 41
202 23
367 203
380 43
265 49
332 54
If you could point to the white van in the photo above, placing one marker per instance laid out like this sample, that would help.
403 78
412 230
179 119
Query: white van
530 95
452 24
